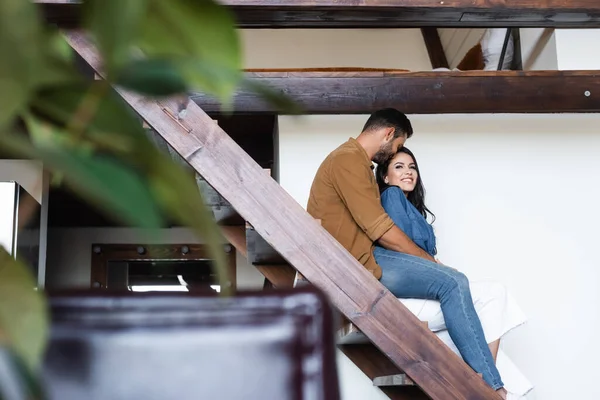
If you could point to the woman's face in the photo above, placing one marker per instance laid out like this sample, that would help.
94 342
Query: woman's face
402 172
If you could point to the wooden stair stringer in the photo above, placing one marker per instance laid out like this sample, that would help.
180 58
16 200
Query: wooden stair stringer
289 229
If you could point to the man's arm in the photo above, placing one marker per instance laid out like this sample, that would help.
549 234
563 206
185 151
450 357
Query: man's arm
396 240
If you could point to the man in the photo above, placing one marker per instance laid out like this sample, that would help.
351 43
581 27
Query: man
345 197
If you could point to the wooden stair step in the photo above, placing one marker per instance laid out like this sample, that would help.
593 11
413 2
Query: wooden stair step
259 251
222 210
348 333
393 380
280 275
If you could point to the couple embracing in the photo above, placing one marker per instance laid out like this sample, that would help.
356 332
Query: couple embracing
380 217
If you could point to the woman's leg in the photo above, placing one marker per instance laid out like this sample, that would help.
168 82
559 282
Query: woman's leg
408 276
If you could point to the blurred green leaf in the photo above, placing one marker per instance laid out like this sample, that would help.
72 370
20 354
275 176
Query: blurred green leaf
115 25
200 34
107 122
20 38
23 313
103 180
179 194
154 77
17 381
56 61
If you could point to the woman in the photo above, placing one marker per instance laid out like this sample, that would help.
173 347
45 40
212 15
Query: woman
403 198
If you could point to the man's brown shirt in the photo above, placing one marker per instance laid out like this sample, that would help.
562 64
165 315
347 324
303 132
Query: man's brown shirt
345 197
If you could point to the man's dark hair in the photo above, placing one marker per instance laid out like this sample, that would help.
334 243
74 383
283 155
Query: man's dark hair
390 118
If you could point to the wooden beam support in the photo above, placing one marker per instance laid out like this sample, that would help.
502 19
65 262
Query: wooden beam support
385 13
289 229
363 92
433 43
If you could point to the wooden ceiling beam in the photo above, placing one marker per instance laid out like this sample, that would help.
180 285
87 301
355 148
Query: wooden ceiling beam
435 49
362 92
386 13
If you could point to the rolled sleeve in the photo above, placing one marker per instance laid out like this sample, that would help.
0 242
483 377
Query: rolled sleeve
355 184
383 224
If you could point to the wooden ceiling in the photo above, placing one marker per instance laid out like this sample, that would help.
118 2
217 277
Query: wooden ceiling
387 13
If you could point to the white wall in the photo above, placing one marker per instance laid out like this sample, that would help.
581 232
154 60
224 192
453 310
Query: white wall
7 215
29 174
578 49
26 173
538 49
69 254
312 48
516 199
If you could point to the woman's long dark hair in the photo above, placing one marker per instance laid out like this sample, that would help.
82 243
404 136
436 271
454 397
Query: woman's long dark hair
417 196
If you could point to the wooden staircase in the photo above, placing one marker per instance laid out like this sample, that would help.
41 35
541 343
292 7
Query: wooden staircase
399 341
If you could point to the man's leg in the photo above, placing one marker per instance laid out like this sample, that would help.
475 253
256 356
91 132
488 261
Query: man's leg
408 276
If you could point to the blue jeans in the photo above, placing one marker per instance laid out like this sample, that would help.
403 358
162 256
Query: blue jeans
408 276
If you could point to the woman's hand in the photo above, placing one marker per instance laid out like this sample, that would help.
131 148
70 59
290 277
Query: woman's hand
437 260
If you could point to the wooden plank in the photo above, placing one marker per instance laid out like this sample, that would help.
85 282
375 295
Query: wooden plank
281 276
236 236
437 56
429 93
373 363
393 380
222 210
259 251
385 13
349 333
286 226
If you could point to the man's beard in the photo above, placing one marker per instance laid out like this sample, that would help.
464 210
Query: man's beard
383 153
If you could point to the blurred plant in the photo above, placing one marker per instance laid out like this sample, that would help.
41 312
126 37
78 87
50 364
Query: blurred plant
85 134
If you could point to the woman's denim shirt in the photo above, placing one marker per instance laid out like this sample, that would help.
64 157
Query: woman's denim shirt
408 219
